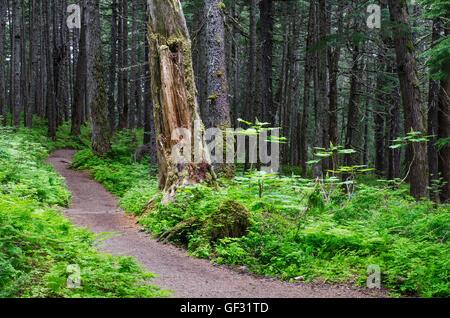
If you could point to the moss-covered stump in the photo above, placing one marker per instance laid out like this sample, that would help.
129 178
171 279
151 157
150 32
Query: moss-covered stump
230 220
175 100
227 171
180 231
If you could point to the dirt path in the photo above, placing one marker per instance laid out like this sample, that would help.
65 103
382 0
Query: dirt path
94 207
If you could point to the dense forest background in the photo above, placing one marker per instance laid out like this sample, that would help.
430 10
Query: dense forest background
360 90
316 69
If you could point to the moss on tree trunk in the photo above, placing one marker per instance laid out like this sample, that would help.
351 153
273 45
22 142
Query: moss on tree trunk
99 108
175 97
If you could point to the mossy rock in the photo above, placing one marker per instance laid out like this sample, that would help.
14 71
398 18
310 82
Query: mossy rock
227 171
180 231
231 219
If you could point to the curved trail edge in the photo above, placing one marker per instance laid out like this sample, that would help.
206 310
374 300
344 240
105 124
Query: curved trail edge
93 207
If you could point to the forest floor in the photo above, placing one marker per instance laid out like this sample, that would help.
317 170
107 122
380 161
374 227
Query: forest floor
94 207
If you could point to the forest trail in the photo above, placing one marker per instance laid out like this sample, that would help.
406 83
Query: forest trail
93 207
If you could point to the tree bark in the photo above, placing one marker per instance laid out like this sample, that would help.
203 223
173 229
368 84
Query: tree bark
322 104
394 155
217 81
79 101
133 73
217 77
126 102
34 65
149 123
43 63
199 56
122 61
112 69
307 91
99 108
16 63
354 134
410 89
253 106
3 8
293 99
266 40
379 111
24 81
138 85
175 100
236 67
334 58
444 125
433 123
51 89
60 51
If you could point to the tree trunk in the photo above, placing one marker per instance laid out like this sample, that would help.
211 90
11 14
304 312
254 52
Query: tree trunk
365 157
34 65
409 85
217 79
322 104
43 64
2 60
307 91
394 155
122 61
24 82
253 106
112 69
51 90
293 100
354 134
379 113
236 68
266 40
444 134
134 70
99 108
126 102
200 67
138 85
60 60
175 100
16 63
334 58
149 123
79 101
433 124
444 125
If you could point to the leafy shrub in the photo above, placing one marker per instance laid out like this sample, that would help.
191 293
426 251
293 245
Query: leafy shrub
123 146
37 243
24 175
85 159
336 243
299 229
65 140
138 196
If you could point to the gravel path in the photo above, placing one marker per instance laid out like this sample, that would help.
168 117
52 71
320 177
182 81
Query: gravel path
94 207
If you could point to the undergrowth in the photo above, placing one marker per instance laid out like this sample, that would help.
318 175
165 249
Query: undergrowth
300 231
334 243
38 245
